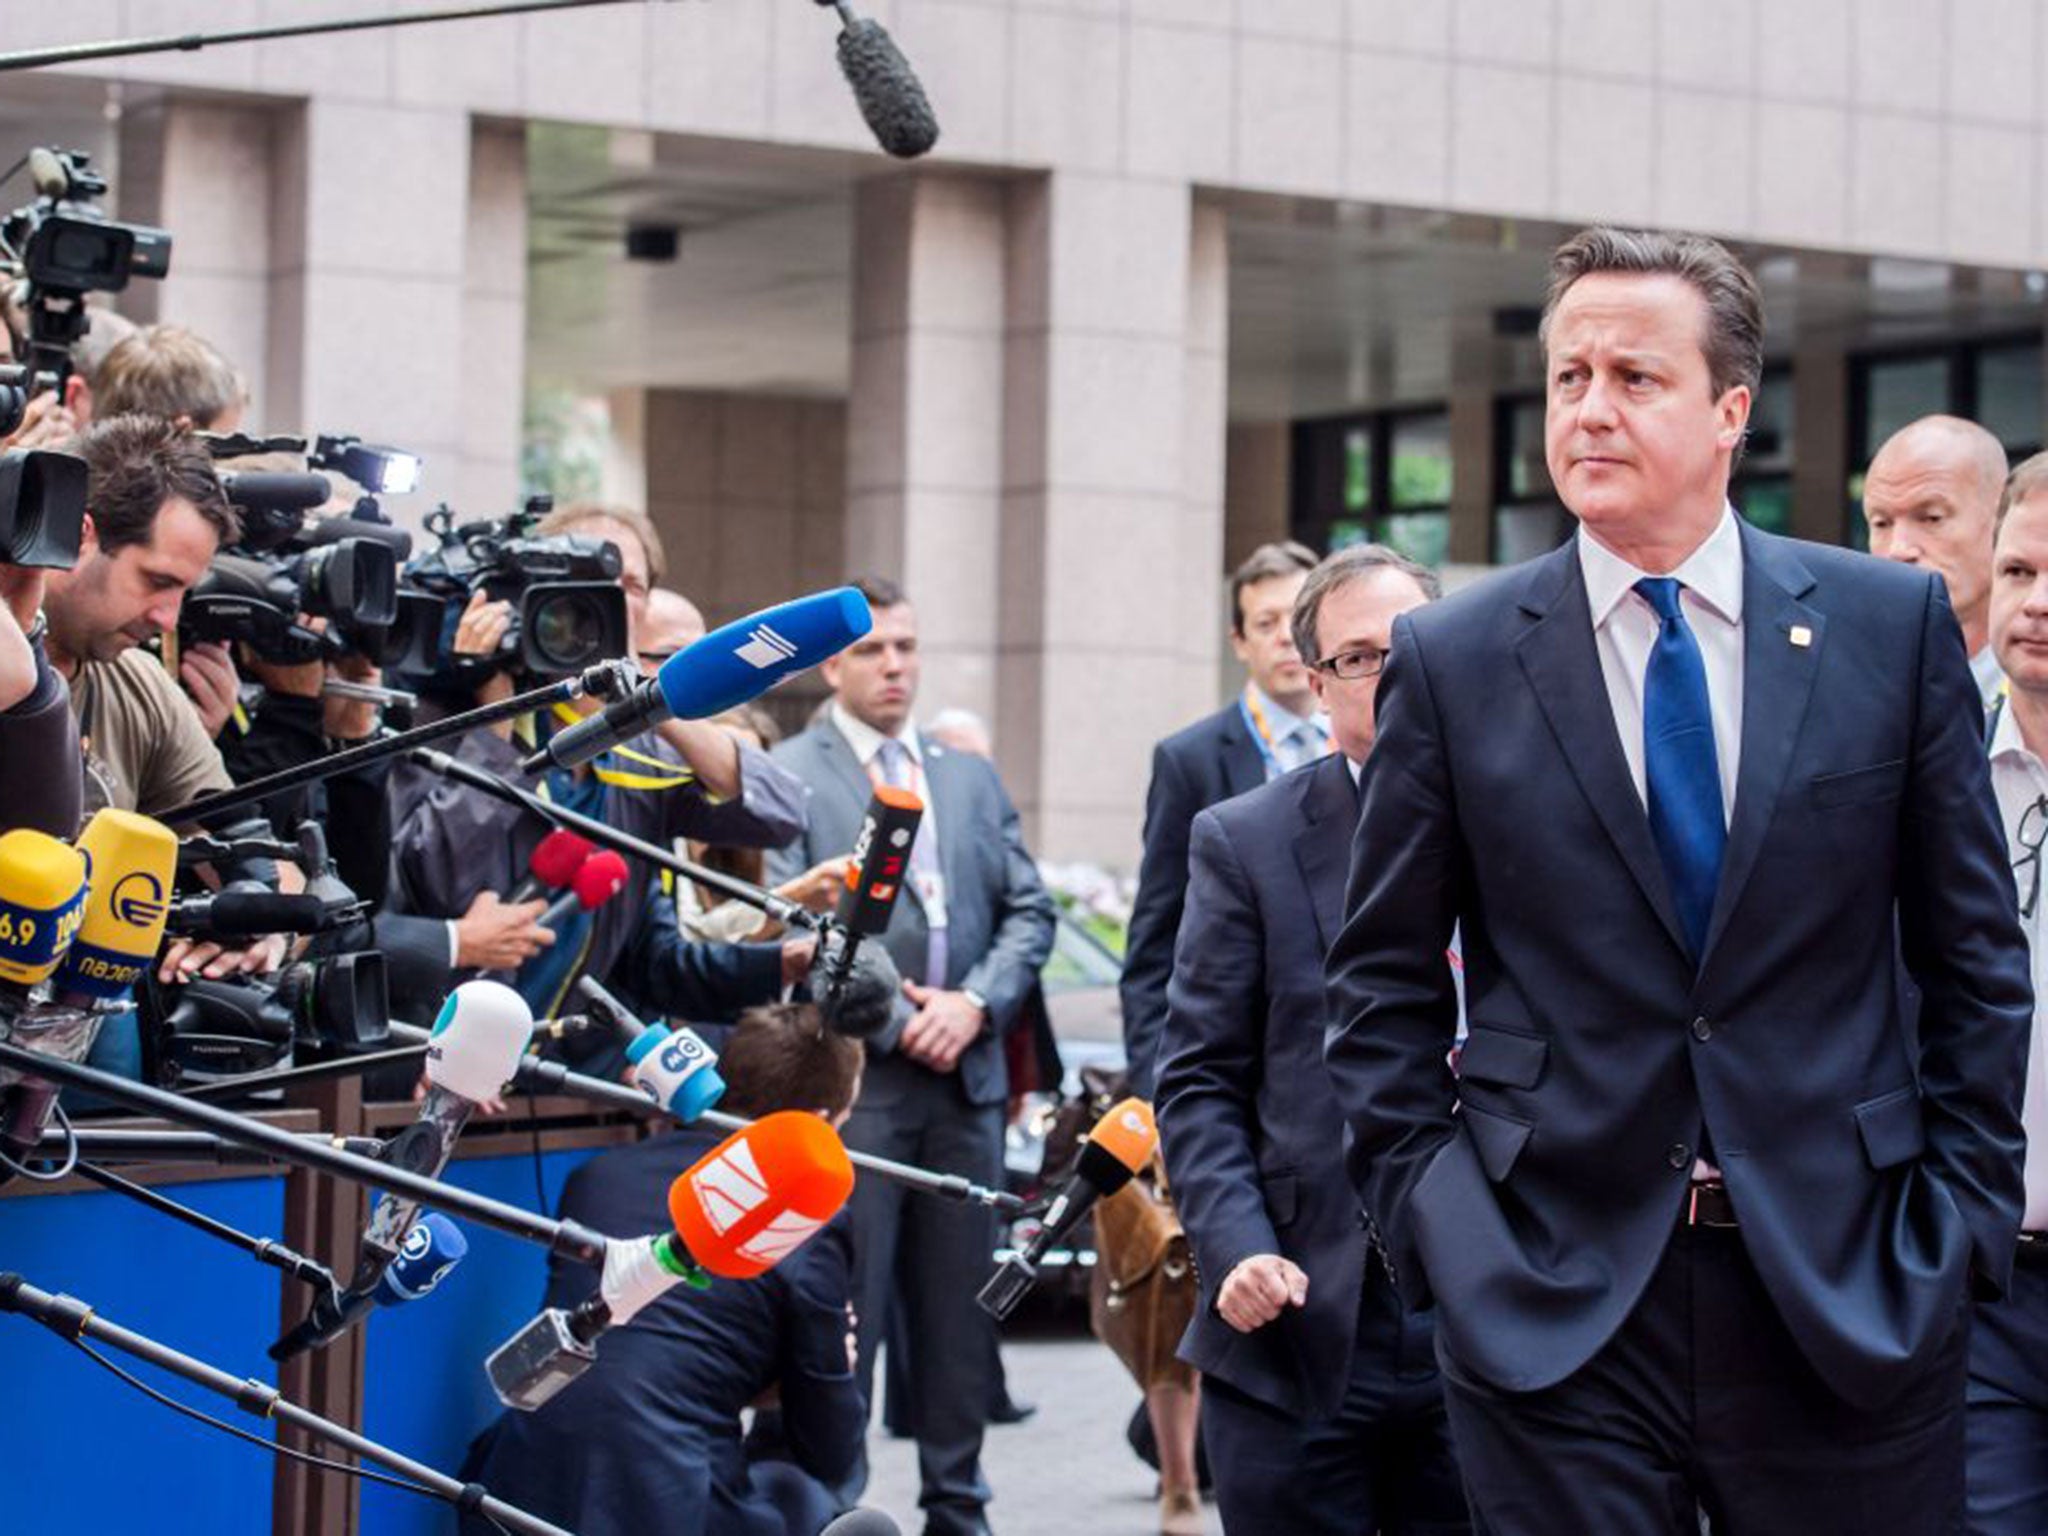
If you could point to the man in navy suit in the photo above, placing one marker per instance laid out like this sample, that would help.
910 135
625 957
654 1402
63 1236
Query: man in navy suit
1322 1412
1701 1217
969 933
1274 725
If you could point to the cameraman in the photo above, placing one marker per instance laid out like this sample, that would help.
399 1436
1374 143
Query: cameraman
457 845
155 517
168 371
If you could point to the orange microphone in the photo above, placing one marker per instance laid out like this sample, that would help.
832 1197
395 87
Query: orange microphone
1121 1144
739 1210
753 1199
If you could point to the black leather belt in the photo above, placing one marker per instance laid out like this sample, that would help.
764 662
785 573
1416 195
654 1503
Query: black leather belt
1708 1205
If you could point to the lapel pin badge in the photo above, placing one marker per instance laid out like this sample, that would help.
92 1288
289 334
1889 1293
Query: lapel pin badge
1801 636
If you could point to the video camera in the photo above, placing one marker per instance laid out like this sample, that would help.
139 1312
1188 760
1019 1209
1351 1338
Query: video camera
569 611
336 1005
342 569
64 246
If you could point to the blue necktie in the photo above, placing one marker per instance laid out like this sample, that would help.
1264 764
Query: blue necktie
1679 763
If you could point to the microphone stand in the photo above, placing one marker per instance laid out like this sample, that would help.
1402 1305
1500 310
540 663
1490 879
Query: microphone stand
606 680
569 1239
192 42
74 1320
262 1249
789 913
293 1077
121 1144
552 1075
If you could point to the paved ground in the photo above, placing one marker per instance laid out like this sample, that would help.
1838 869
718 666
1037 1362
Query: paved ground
1067 1472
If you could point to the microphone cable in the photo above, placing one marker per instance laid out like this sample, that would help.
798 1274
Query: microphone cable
305 1458
61 1173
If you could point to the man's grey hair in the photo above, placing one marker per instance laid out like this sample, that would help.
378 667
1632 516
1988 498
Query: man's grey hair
1352 563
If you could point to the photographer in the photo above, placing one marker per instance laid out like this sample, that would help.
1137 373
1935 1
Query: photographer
155 517
457 846
168 371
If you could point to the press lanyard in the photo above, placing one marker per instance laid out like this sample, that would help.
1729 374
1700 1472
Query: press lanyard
1262 735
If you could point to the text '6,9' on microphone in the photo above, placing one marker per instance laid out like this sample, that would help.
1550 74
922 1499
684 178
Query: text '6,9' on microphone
42 902
130 862
885 88
734 663
739 1210
1121 1144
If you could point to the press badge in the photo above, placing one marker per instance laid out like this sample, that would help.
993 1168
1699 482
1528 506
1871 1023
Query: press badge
930 885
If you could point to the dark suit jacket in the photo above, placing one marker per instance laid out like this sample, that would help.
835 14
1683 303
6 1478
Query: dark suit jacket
1868 1175
999 916
1253 1136
649 1436
1192 769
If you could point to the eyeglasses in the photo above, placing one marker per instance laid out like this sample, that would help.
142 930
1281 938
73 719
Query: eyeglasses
2026 869
1353 665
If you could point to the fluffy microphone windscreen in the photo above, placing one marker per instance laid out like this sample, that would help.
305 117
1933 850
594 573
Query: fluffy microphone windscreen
558 856
131 862
603 876
757 1196
887 90
863 1522
42 901
477 1041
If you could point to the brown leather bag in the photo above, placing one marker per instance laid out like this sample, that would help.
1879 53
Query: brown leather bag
1142 1295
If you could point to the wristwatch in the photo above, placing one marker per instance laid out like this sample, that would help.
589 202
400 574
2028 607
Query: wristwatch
978 1000
39 628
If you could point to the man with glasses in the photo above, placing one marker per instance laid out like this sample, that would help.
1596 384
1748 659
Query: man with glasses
1322 1412
2008 1412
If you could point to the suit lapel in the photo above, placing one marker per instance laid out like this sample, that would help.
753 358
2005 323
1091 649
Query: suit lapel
946 809
845 770
1244 769
1777 681
1322 845
1559 658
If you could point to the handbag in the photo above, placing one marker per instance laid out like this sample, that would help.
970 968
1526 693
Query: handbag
1142 1295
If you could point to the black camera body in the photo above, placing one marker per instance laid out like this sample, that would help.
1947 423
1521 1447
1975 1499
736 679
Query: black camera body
314 1010
64 246
341 569
568 609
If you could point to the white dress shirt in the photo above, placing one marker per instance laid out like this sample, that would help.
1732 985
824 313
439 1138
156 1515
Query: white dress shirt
1989 676
2018 778
1625 630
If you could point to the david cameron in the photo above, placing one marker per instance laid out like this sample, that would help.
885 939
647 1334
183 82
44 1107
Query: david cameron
1700 1210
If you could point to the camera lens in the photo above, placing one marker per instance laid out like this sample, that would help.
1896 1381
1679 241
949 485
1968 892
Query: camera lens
568 632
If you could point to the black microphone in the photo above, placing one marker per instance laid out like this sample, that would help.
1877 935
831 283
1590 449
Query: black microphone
885 87
241 911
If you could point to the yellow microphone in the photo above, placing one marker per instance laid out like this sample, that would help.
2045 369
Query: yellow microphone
131 865
42 900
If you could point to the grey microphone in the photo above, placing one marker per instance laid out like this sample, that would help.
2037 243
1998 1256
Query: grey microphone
885 87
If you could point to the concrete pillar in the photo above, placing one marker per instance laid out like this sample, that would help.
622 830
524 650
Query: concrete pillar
369 297
485 475
205 171
924 427
1113 500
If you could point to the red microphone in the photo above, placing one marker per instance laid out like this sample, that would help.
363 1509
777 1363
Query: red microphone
603 876
757 1196
556 858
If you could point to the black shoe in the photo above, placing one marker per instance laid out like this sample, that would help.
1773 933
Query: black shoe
1011 1411
958 1525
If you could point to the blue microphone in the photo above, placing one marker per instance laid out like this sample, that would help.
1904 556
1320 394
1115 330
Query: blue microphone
735 663
434 1246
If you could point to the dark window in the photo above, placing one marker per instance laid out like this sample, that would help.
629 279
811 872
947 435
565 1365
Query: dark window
1386 476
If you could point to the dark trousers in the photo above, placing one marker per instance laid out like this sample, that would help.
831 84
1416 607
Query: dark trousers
2008 1412
934 1253
1381 1464
1702 1401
